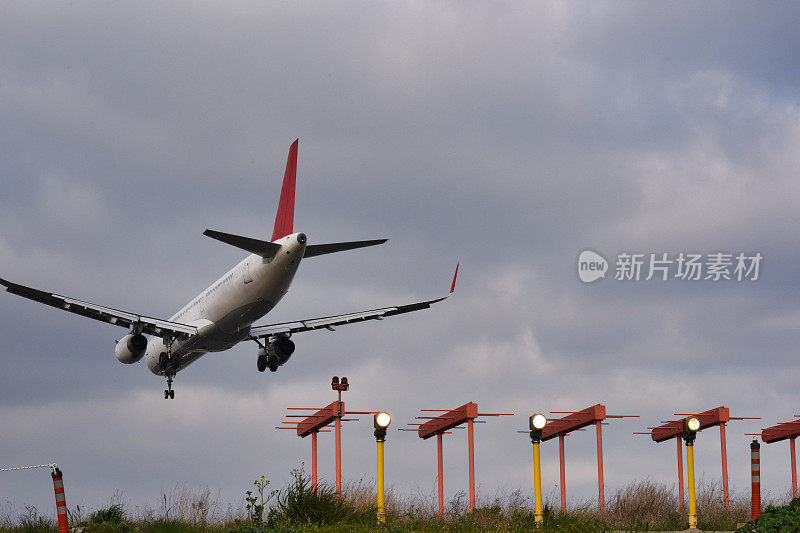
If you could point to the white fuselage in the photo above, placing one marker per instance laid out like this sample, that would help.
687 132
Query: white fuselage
224 311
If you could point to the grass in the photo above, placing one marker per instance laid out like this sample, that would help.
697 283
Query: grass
641 506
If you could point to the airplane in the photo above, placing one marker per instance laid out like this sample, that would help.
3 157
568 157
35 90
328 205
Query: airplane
222 315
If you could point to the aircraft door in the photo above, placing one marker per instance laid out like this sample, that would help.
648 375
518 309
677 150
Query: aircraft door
246 273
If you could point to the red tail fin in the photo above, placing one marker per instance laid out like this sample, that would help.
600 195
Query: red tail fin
284 220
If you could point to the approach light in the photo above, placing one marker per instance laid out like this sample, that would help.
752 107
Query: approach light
337 385
537 421
691 425
382 420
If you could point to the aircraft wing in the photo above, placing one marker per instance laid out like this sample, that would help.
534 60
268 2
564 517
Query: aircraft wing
330 322
150 326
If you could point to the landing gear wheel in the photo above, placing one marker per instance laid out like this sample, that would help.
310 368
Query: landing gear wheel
262 362
273 364
175 361
169 393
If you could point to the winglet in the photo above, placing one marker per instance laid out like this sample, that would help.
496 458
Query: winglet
284 219
453 286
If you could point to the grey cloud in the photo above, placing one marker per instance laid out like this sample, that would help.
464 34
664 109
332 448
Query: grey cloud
507 136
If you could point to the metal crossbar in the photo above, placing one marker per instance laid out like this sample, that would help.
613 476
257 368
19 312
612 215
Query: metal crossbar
52 466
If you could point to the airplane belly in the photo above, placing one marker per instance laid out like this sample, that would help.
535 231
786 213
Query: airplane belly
240 318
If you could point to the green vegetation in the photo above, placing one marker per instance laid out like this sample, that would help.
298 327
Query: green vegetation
641 506
256 504
784 519
29 522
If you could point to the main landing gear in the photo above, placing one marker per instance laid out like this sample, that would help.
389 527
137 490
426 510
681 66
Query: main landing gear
265 359
169 362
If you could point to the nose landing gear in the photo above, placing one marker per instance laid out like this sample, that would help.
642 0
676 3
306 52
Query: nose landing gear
169 362
169 393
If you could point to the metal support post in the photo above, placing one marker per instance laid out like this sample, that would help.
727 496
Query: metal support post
338 435
724 453
690 483
537 485
471 451
681 503
601 492
314 461
381 497
441 474
562 472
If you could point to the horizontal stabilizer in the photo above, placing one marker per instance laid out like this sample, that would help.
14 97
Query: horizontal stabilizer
265 249
322 249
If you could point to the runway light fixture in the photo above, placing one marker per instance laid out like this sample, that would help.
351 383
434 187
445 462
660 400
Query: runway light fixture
537 422
337 385
691 425
381 421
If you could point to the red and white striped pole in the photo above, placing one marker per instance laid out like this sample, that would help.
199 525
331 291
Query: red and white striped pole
794 466
61 502
755 479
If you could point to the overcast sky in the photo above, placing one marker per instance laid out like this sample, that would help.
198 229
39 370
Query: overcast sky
509 136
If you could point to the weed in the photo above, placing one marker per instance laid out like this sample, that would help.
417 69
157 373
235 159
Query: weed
300 505
32 522
255 504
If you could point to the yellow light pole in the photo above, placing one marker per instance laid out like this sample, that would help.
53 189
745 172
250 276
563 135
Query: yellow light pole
381 422
537 423
690 427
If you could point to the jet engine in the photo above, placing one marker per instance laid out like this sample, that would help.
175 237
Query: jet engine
131 348
277 353
282 348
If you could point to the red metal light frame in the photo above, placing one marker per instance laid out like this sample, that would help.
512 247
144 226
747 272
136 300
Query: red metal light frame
779 432
673 429
333 413
578 421
785 431
320 419
448 420
441 425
